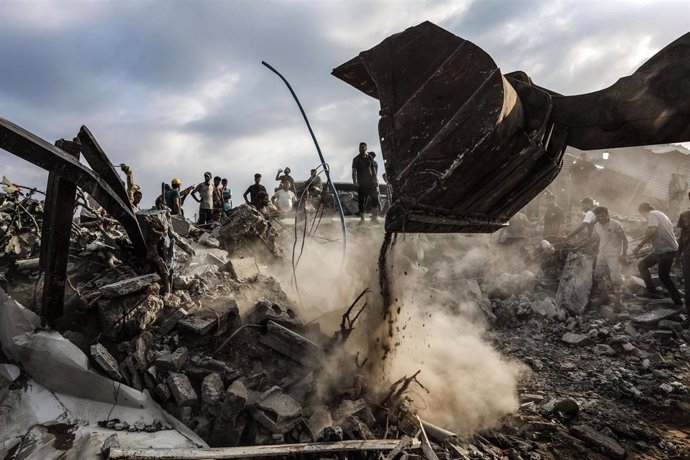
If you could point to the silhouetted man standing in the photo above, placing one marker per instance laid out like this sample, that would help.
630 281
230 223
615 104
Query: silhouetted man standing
364 178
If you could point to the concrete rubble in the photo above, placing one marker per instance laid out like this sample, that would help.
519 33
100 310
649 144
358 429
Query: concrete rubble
225 357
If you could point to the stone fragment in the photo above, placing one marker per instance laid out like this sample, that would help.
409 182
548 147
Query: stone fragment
105 361
603 349
661 334
242 269
576 282
347 408
292 345
247 232
181 389
171 321
671 325
111 442
598 441
652 318
264 311
277 411
234 401
211 389
131 374
181 226
174 361
319 421
198 325
129 286
526 397
566 406
161 392
578 340
207 240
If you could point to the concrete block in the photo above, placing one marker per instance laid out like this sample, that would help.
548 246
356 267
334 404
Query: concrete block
171 321
181 389
264 311
243 270
211 389
174 361
599 441
277 411
292 345
198 325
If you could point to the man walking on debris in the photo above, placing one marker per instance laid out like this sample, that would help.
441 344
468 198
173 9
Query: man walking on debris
284 199
664 248
554 219
613 251
365 180
587 221
205 189
253 192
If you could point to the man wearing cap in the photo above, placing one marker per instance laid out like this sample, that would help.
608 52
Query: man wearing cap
664 248
173 198
205 190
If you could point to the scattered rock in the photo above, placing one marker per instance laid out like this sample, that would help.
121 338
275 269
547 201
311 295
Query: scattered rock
207 240
243 270
181 389
211 389
105 361
129 286
598 441
292 345
577 340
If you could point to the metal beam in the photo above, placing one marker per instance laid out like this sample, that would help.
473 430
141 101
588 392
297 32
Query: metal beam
55 234
33 149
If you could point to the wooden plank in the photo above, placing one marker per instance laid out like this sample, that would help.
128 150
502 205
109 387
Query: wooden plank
257 451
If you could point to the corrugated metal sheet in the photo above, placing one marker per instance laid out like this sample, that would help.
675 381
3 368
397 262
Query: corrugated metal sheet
657 184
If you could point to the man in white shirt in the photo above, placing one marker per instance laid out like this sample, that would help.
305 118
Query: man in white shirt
613 250
284 199
205 200
664 248
587 221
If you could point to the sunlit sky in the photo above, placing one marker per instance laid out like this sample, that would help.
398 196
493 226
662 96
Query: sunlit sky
175 88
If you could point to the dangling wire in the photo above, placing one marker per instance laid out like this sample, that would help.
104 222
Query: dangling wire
329 182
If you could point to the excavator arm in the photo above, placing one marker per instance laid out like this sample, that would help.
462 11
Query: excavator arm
466 147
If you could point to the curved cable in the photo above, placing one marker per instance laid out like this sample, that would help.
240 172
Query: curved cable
336 198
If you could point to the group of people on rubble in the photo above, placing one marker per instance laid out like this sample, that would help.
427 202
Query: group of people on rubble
215 196
607 237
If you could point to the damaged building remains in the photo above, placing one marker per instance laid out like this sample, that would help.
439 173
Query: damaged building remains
463 330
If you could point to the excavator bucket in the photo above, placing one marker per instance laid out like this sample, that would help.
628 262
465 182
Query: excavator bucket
466 147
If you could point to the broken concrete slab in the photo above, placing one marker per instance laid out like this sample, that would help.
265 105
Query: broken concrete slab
211 389
292 345
599 441
234 401
207 240
181 226
124 317
171 321
577 340
105 361
181 389
347 408
242 269
320 420
264 311
566 406
277 411
575 284
161 392
173 362
129 286
198 325
652 318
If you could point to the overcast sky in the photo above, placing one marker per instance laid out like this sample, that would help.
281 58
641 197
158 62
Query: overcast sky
175 88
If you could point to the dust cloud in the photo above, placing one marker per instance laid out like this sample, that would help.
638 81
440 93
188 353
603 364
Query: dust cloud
439 328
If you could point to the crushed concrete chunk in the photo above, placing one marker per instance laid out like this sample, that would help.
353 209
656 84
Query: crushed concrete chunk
198 325
264 311
234 401
181 389
243 270
575 284
319 421
277 411
174 361
105 361
211 389
171 321
181 226
119 320
600 442
578 340
129 286
161 392
207 240
292 345
566 406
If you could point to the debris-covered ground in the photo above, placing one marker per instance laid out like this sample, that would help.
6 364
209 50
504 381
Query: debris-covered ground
236 357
